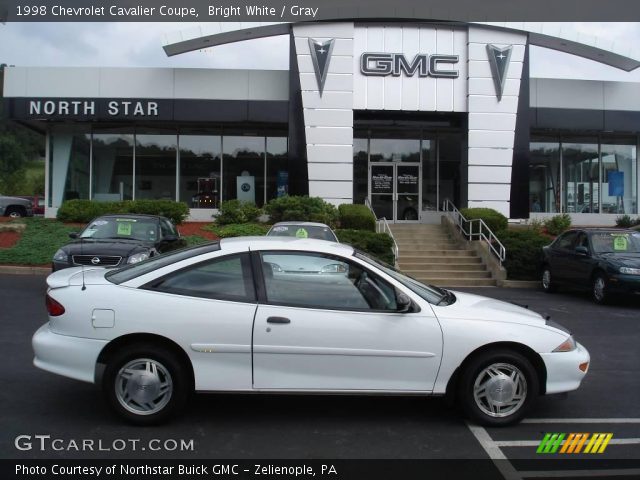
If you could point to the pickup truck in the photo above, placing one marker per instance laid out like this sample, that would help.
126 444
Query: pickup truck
15 207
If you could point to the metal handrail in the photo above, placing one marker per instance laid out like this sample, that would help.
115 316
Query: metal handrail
382 226
483 231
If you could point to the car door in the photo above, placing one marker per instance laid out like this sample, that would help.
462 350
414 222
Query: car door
330 323
559 256
580 265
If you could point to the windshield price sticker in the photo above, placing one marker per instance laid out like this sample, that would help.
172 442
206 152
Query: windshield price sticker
620 243
302 233
124 228
280 229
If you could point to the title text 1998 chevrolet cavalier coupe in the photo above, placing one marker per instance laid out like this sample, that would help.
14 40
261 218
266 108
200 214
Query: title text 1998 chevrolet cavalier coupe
294 315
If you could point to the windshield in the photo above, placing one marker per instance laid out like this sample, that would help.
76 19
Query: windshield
303 231
613 242
144 229
430 293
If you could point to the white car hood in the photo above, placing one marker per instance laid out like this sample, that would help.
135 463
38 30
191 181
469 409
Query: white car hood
476 307
74 276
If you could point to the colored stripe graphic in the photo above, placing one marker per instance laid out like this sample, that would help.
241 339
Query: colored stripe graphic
550 443
574 443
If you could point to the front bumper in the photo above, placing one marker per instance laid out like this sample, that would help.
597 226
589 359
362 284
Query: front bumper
623 283
563 372
72 357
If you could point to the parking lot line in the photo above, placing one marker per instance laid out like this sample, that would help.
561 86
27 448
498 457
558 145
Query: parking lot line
614 472
495 454
535 443
581 420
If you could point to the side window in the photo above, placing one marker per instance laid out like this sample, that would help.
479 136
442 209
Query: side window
167 228
323 281
583 240
227 278
565 242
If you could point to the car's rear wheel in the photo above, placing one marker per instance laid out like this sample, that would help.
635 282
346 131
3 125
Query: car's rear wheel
599 289
15 212
497 388
146 384
547 280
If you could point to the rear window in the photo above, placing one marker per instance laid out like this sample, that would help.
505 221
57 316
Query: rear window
302 231
124 274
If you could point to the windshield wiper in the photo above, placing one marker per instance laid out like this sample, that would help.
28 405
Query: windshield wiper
446 297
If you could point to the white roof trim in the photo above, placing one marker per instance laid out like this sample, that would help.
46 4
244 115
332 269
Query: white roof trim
561 37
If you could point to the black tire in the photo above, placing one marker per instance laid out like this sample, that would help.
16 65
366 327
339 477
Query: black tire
599 286
548 285
503 362
169 369
15 212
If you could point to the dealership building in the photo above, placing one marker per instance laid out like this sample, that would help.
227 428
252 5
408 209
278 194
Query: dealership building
408 115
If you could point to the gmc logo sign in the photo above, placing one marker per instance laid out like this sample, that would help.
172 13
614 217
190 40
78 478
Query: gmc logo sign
395 64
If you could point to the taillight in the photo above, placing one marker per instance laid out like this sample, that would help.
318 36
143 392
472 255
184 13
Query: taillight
54 308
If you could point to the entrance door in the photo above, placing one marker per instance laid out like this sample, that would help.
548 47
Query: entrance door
394 190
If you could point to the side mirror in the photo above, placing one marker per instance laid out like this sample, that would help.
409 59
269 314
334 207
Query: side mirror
74 235
170 238
403 302
582 251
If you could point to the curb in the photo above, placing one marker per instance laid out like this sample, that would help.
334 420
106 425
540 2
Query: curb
17 270
519 283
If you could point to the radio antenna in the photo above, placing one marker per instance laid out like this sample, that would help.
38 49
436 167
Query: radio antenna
84 287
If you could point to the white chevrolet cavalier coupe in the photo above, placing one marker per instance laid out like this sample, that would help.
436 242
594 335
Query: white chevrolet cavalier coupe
280 315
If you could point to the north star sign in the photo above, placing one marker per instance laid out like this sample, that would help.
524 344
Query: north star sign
395 64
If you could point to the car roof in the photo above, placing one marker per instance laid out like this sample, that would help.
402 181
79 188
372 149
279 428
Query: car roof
286 243
130 215
307 224
603 230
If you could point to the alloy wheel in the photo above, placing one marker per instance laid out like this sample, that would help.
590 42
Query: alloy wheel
143 386
500 390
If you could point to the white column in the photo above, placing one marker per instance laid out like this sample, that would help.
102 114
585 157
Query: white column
492 123
328 118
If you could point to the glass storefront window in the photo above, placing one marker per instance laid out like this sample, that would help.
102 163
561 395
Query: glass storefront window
619 177
395 149
544 175
112 166
360 169
277 167
243 169
450 161
581 178
156 167
200 157
429 175
69 176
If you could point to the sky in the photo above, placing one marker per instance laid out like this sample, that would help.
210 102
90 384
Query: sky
140 45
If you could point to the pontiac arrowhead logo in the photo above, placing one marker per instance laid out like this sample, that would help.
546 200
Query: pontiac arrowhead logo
499 61
321 56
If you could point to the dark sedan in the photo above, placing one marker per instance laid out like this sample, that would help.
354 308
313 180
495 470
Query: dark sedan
605 261
115 240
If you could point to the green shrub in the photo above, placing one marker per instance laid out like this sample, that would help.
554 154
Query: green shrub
83 211
524 253
238 229
494 219
235 211
625 221
38 242
302 209
557 224
376 244
357 217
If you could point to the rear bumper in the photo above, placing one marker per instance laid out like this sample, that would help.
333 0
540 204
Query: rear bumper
72 357
563 372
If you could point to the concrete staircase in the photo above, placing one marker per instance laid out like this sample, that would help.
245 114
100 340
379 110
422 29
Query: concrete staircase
429 254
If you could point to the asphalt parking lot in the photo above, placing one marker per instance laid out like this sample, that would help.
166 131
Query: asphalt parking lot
271 426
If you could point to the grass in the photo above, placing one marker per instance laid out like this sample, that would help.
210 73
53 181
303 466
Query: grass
195 240
38 243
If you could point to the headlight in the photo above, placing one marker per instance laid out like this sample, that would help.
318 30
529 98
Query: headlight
567 346
61 256
138 257
334 268
630 271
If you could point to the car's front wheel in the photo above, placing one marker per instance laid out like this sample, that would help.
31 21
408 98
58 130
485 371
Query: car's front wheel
146 384
497 388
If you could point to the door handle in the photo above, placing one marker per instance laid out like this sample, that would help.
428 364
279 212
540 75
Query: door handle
278 320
